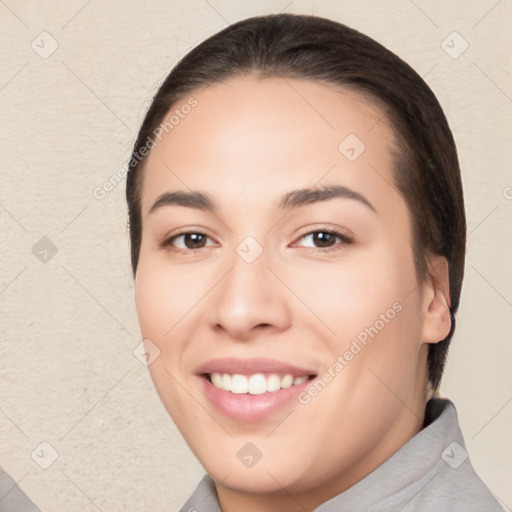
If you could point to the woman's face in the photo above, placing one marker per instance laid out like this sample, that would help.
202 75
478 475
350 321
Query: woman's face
261 292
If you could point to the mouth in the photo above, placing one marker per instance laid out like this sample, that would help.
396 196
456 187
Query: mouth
252 390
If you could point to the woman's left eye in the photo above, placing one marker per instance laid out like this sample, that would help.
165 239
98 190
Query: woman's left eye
325 239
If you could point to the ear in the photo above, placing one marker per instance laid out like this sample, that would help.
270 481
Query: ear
436 301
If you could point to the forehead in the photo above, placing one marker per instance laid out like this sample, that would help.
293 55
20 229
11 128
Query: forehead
252 134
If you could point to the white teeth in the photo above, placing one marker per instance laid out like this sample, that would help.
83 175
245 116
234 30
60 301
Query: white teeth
273 383
239 384
256 384
226 382
287 381
217 380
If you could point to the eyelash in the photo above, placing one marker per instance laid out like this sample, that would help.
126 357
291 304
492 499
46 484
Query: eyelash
345 240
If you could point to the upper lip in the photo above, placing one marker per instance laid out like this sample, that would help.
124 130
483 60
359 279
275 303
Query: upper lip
251 366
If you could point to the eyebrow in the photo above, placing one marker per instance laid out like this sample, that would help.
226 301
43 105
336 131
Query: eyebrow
190 199
290 200
304 196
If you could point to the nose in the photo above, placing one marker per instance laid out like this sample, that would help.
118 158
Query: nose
249 300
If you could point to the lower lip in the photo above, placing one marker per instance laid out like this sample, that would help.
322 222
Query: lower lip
247 407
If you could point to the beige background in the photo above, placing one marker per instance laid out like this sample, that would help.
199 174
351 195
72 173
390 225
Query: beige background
68 326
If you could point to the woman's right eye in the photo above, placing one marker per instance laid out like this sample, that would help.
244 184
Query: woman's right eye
187 241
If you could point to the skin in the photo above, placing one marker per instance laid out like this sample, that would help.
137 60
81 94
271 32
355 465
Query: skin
246 143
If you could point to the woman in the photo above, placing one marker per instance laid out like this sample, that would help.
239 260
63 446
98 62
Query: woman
298 240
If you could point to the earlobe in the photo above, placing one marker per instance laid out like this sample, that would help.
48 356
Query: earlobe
437 316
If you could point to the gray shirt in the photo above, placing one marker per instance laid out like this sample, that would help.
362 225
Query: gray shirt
12 498
430 473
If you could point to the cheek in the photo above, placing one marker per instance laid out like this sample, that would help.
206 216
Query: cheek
163 301
151 303
164 295
353 295
373 319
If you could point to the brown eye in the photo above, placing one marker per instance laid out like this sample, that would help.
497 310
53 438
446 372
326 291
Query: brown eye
190 240
324 239
194 240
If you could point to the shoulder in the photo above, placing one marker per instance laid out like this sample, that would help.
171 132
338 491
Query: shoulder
450 481
432 472
12 497
457 488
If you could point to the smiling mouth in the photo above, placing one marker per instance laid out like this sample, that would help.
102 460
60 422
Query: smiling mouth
255 384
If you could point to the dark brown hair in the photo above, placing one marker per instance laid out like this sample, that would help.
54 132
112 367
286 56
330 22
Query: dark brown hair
291 46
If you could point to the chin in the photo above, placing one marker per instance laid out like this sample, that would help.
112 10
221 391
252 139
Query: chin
265 476
259 481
